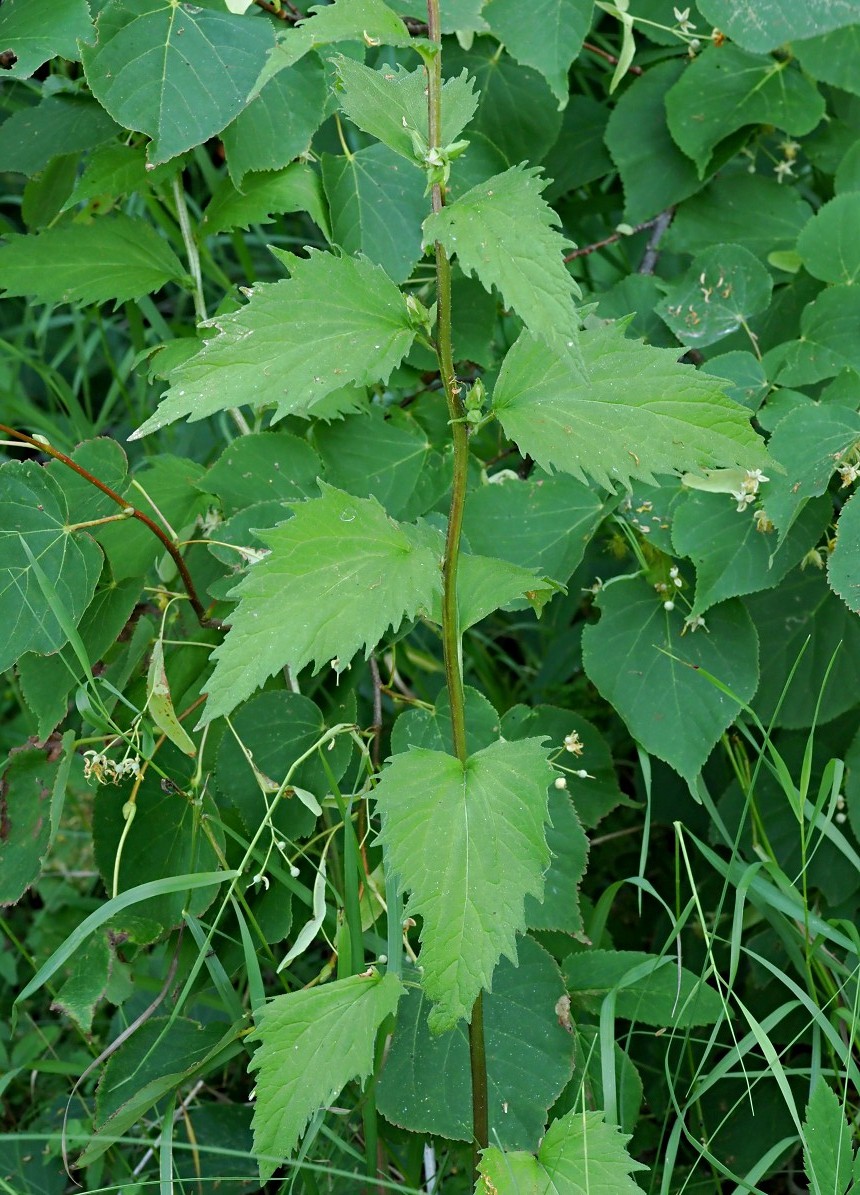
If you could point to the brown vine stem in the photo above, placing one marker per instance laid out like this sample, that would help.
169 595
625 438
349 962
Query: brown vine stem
610 58
130 512
451 637
615 236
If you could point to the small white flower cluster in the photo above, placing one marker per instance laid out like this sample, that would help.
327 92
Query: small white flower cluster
573 743
109 771
692 624
745 496
841 816
785 168
849 474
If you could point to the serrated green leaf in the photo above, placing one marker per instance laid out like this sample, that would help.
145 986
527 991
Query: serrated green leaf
84 987
26 780
809 443
264 464
377 203
542 522
580 1155
339 573
490 814
486 584
832 57
336 320
503 232
387 103
721 214
265 196
654 173
828 1153
732 556
177 72
724 89
723 287
60 124
828 244
517 113
115 257
762 25
311 1044
549 40
646 988
378 454
641 662
803 620
827 342
425 1084
36 30
843 566
639 413
371 22
34 512
278 123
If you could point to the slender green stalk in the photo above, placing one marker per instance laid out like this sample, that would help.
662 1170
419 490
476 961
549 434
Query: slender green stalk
450 616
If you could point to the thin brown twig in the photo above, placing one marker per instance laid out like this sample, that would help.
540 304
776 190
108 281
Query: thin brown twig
133 513
652 249
610 58
610 240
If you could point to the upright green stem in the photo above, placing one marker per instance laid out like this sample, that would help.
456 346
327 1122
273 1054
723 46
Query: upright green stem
450 616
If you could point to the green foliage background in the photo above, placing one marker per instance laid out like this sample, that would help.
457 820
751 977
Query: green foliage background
220 301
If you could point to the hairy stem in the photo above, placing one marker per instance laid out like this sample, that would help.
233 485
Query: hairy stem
450 616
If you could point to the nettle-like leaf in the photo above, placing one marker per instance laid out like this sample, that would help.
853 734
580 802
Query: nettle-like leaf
338 575
177 72
828 1153
469 843
503 232
371 22
580 1154
311 1044
115 257
27 778
723 287
390 102
34 515
643 664
843 567
828 245
36 30
766 24
548 40
725 89
60 124
639 413
335 321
